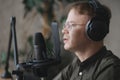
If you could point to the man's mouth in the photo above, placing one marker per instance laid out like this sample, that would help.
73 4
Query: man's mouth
65 40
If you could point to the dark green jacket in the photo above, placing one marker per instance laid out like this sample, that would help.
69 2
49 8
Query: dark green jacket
101 66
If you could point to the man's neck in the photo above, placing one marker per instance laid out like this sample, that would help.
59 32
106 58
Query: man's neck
88 51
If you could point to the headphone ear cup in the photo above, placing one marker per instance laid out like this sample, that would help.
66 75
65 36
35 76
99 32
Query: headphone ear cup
96 30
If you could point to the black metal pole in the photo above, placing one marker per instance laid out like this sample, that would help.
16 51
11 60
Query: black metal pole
13 23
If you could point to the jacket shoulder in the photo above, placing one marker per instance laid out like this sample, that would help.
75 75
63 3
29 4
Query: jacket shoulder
109 67
110 60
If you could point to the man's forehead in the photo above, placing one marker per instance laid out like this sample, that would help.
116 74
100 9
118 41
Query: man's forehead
75 17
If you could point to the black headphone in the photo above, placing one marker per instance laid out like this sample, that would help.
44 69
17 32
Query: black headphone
98 27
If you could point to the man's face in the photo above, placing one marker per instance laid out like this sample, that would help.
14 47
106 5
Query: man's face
74 35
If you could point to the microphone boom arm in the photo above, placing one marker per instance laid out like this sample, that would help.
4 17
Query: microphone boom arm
14 40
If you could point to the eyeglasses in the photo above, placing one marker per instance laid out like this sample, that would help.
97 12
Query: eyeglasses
69 26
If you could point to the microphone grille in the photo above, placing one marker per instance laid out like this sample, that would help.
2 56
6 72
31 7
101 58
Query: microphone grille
38 39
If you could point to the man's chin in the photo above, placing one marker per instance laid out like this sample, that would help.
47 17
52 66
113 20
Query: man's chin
67 48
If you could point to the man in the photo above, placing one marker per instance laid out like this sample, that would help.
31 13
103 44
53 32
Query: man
85 28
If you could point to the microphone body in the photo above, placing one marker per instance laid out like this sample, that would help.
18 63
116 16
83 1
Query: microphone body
39 47
40 62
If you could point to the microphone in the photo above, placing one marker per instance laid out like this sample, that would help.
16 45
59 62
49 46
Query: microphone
39 47
41 61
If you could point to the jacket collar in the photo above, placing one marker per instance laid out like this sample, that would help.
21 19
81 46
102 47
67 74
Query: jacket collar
93 58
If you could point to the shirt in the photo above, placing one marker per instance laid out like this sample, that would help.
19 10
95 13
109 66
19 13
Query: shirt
103 65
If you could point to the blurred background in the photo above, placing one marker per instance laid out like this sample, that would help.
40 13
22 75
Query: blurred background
36 16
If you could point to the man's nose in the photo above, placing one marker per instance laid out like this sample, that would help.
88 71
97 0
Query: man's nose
64 31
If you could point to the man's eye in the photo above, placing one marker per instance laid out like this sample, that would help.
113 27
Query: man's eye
73 25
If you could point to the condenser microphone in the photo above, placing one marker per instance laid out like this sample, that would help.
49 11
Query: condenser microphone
40 53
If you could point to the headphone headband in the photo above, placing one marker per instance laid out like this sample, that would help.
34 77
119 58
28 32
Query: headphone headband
99 9
95 4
